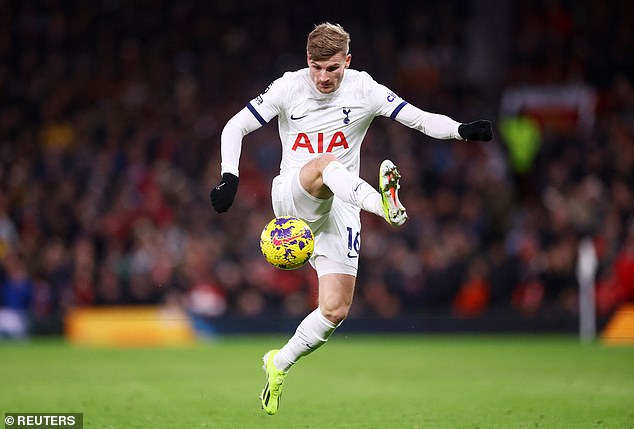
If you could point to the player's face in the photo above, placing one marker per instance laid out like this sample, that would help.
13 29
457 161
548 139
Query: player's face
328 74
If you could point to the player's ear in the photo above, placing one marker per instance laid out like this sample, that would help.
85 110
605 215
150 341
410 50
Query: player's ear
308 59
348 59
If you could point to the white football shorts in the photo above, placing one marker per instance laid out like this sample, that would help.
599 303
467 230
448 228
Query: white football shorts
335 224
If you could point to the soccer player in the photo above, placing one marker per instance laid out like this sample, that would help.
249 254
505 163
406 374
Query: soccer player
324 112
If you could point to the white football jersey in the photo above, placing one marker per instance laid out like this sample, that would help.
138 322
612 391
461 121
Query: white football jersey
311 123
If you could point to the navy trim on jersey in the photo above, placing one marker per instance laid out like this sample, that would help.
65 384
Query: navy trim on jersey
398 109
256 114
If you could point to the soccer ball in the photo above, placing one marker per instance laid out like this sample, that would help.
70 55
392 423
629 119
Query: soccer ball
287 242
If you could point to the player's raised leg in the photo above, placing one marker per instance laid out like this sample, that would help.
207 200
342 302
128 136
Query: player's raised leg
325 176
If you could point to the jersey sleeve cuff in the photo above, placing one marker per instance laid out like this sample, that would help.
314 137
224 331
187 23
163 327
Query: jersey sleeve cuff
235 172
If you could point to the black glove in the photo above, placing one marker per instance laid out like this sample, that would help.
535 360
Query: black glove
478 130
222 195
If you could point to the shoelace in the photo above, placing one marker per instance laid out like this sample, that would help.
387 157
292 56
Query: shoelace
278 383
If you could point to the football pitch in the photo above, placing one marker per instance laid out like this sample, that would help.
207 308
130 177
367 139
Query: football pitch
355 381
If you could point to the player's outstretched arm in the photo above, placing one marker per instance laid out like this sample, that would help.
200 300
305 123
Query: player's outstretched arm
241 124
481 130
443 127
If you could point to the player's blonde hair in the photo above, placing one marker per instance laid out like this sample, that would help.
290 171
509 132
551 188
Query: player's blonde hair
327 40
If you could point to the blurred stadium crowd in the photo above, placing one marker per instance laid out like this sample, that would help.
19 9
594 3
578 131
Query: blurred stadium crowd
111 113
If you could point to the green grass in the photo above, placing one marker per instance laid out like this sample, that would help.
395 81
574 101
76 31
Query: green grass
354 381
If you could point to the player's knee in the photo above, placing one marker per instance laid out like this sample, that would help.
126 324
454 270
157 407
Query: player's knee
326 159
335 313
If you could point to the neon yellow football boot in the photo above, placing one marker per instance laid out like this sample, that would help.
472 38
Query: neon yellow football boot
389 185
274 382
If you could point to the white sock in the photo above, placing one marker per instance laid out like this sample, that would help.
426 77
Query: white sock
311 333
352 189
